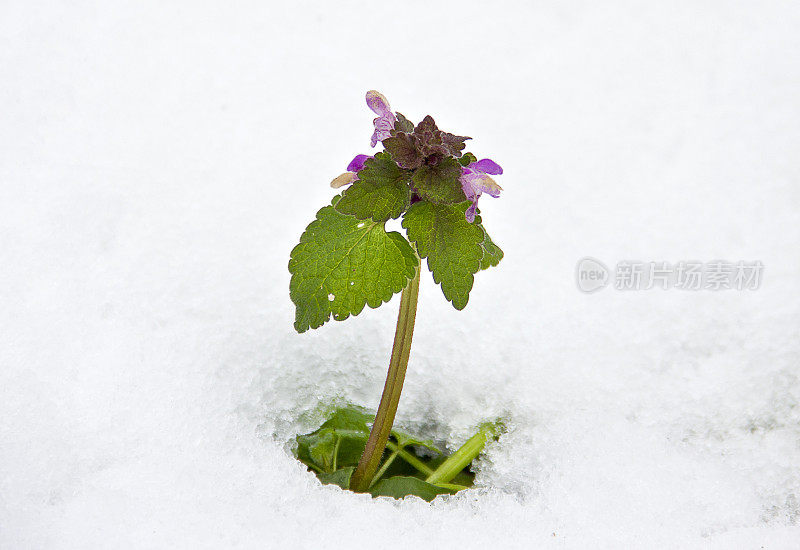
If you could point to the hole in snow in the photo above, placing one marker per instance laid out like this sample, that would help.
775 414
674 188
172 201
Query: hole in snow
424 456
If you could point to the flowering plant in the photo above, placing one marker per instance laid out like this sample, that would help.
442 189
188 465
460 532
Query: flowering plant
346 259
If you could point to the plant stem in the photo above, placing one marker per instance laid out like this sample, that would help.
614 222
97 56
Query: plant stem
410 458
465 454
379 434
384 467
336 452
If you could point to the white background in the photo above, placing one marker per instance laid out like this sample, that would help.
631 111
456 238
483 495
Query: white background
158 163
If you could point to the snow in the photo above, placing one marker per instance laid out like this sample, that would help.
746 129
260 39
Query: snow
158 163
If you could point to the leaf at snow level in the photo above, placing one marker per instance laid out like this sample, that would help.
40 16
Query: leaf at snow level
322 450
340 477
342 264
401 486
382 191
345 435
350 418
358 419
452 245
320 447
404 440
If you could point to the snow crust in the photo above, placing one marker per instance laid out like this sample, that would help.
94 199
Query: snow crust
158 163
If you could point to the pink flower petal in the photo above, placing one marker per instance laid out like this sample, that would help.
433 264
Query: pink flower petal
358 163
378 103
487 166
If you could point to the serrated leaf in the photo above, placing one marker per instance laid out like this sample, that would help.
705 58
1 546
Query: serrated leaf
402 486
402 124
451 245
492 254
427 126
403 149
342 264
455 144
440 184
382 191
428 139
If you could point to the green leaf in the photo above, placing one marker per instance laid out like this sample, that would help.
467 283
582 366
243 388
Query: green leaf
402 124
402 486
319 448
340 477
455 144
333 451
404 440
467 159
342 264
340 440
403 149
440 184
491 252
351 448
351 418
452 245
322 450
382 191
452 486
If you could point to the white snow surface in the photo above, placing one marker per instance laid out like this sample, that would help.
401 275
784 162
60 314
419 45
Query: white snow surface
158 161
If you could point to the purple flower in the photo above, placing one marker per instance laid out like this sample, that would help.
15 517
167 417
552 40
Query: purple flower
351 175
358 163
475 180
384 124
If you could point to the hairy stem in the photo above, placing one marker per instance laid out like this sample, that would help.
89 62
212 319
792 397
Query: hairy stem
379 435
